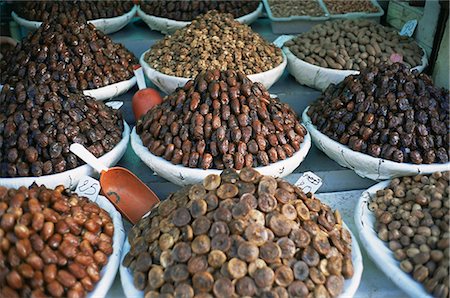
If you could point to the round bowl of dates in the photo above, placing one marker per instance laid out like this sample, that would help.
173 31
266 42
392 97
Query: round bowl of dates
57 243
220 120
169 16
106 16
385 122
403 225
226 44
37 125
331 51
241 235
74 53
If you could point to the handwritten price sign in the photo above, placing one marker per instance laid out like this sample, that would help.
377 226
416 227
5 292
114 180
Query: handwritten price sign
309 182
88 187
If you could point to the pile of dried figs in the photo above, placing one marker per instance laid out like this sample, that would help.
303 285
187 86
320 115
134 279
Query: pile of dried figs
240 235
52 242
83 10
413 216
187 10
64 50
354 44
389 112
221 120
213 41
38 123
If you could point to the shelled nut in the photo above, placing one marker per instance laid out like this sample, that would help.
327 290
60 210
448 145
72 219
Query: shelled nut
414 211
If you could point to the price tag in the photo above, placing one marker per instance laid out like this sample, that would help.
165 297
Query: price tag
309 182
279 42
88 187
115 104
408 28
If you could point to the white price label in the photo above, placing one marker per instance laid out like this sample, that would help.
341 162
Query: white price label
115 104
279 42
408 28
88 187
309 182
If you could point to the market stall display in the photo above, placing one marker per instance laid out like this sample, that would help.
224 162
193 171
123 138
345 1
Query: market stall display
106 16
335 49
169 16
283 8
386 113
212 41
220 120
57 243
339 7
38 124
403 224
73 53
242 234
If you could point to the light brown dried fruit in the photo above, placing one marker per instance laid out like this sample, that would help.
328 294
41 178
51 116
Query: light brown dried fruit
201 244
202 281
198 208
256 233
269 252
237 268
264 277
211 182
284 276
216 258
280 225
227 190
245 286
181 217
223 288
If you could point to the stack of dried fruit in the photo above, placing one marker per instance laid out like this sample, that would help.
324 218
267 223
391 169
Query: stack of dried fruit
213 41
413 215
221 120
387 112
64 50
187 10
45 10
39 122
240 234
52 243
353 44
347 6
287 8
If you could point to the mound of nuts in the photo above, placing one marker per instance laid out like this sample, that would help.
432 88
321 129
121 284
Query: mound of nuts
387 112
45 10
187 10
52 242
288 8
221 120
38 123
347 6
240 235
213 41
412 214
353 45
64 50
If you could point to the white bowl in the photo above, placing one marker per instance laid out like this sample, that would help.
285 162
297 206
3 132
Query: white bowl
107 25
108 272
350 285
71 177
168 84
378 250
169 26
111 91
180 175
320 78
363 164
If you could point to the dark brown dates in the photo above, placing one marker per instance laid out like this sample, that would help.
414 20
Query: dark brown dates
250 130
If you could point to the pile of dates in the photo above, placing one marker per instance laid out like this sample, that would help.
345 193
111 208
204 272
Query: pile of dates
388 112
412 214
64 50
52 243
213 41
83 10
240 235
38 123
221 120
187 10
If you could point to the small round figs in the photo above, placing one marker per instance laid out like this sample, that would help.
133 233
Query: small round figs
237 268
256 234
264 277
201 244
181 217
269 252
197 191
216 258
248 251
211 182
284 276
301 270
223 287
245 286
198 208
227 190
249 175
202 281
280 225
